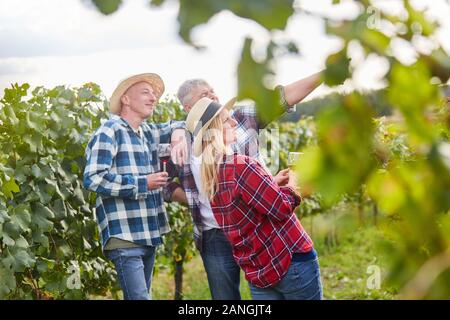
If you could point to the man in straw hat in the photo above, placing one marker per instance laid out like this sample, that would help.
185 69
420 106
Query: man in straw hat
222 271
123 169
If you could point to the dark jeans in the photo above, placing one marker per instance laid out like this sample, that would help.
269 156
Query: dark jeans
301 282
134 268
222 271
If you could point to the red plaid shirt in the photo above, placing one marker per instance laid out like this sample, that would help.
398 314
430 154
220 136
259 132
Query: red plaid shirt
258 219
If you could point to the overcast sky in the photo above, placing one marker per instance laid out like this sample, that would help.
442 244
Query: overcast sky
53 42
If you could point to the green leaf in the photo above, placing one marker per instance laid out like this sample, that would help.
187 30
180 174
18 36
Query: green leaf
43 211
251 76
78 195
44 224
41 217
375 40
52 187
337 68
22 260
35 121
156 3
22 171
417 17
342 161
32 196
39 237
387 190
371 39
84 94
438 62
21 216
86 244
59 209
8 282
9 187
42 191
67 176
10 116
269 14
34 141
4 217
412 92
64 251
6 170
107 6
7 240
66 191
44 264
15 93
12 230
36 171
21 242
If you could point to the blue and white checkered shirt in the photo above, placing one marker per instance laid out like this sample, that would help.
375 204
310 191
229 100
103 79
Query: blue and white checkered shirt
118 162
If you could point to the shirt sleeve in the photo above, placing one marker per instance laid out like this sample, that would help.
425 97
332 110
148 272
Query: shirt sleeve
98 177
165 129
248 115
259 190
251 112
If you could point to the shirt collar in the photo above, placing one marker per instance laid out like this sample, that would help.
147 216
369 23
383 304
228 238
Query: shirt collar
124 122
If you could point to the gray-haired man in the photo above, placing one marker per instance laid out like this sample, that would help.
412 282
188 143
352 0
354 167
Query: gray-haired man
222 271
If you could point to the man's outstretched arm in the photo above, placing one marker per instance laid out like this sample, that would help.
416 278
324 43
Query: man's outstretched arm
300 89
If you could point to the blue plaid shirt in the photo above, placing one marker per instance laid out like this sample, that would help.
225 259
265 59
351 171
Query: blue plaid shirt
247 131
118 162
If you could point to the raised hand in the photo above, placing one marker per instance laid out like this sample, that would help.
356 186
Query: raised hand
179 150
282 177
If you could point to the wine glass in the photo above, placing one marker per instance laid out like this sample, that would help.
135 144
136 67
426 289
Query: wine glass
164 155
293 158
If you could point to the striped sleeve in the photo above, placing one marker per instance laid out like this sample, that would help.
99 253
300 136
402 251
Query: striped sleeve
165 130
98 177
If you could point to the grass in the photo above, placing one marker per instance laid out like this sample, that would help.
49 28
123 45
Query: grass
348 267
348 257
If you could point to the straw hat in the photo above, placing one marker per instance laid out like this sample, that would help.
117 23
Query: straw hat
200 116
151 78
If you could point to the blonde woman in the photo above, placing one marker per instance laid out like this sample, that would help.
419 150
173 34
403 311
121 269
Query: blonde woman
257 215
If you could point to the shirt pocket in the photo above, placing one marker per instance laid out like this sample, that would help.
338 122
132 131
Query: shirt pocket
150 148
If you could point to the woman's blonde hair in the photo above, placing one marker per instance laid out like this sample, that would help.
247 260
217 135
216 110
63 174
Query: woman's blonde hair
213 150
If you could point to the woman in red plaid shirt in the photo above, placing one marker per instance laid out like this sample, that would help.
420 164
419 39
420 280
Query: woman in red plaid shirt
257 215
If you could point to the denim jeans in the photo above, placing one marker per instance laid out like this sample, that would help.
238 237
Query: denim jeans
134 268
301 282
221 268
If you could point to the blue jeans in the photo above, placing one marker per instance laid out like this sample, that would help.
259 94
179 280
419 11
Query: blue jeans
222 271
134 268
301 282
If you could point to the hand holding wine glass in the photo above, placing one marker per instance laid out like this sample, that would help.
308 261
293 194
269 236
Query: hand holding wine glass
292 160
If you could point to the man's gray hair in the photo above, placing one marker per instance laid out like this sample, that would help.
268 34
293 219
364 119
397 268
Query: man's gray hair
185 90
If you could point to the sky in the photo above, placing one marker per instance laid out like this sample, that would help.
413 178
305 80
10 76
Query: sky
54 42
